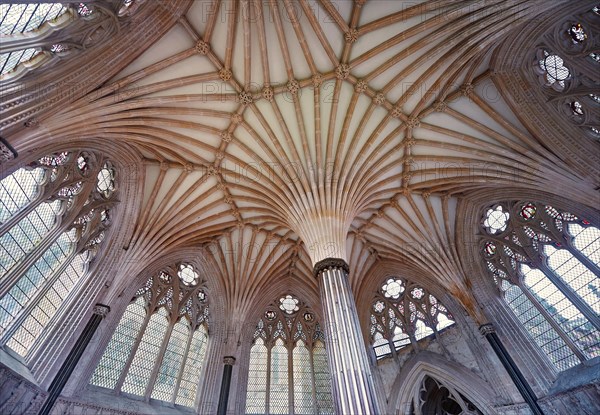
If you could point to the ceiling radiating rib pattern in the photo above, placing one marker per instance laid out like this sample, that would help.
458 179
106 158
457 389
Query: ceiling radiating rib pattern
270 117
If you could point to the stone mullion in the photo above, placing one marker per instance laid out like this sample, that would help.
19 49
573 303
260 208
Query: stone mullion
390 331
134 350
159 358
268 391
290 351
182 368
312 379
34 300
564 336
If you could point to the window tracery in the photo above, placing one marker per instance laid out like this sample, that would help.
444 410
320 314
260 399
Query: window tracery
38 34
403 313
434 397
157 350
567 66
545 264
288 370
52 224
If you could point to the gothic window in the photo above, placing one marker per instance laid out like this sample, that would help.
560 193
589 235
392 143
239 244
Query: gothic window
288 370
433 397
545 263
52 223
158 348
403 313
36 34
567 64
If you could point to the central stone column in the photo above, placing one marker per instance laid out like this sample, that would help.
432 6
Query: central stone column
324 232
353 384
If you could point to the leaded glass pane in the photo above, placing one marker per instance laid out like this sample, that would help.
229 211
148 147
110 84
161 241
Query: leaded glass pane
587 241
47 306
146 355
186 394
21 18
303 403
115 356
278 397
540 330
576 275
17 190
322 380
381 346
164 387
35 278
26 234
563 311
256 396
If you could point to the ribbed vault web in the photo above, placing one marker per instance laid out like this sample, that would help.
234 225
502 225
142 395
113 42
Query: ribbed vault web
299 130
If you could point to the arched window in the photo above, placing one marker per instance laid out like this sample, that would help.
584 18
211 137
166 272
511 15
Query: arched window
288 364
545 263
158 348
403 313
567 64
33 34
53 217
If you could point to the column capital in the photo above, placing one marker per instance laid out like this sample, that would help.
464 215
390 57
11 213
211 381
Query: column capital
329 263
101 310
229 360
486 329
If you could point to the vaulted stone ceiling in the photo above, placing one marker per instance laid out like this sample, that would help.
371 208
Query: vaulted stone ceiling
259 121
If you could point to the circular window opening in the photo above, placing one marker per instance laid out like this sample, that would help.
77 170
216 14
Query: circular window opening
187 275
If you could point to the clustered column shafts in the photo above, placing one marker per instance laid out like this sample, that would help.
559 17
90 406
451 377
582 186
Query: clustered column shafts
353 383
488 331
59 382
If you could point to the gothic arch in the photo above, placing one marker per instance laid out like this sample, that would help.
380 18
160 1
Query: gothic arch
118 298
468 231
449 373
515 82
285 285
534 364
127 195
387 269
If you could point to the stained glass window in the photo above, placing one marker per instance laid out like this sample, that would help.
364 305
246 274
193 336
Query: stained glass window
158 347
288 370
546 265
51 229
402 311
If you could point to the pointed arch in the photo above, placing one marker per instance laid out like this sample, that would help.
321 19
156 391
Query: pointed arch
452 374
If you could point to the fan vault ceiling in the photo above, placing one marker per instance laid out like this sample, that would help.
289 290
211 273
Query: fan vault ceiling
276 133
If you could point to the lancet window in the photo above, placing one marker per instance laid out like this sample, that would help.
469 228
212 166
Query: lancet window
54 214
288 372
157 350
402 313
545 263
